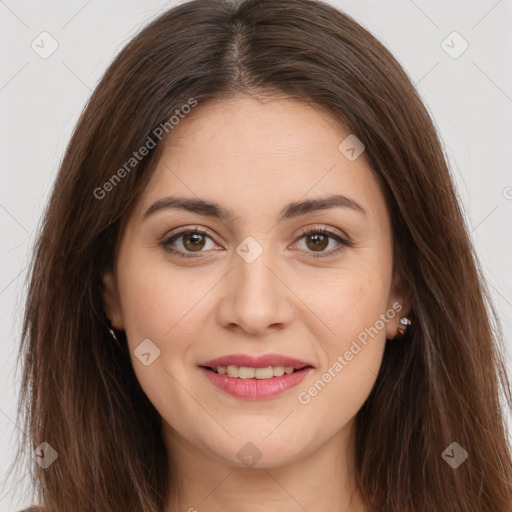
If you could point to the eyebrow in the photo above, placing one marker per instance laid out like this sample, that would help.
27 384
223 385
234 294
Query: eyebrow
290 211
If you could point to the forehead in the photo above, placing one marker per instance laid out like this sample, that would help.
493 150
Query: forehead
255 154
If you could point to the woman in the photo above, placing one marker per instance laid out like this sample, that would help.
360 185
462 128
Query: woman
254 288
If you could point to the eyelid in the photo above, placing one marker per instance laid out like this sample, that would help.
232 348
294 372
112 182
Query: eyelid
185 229
323 227
342 240
181 231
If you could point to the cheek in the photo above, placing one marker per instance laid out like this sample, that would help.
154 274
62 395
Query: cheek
167 307
354 303
356 312
153 298
157 306
352 355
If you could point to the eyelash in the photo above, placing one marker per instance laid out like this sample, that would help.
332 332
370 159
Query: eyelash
342 242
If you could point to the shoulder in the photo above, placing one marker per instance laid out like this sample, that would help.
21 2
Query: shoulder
33 509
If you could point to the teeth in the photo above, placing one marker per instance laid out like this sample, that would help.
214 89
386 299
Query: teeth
245 372
233 371
264 373
279 370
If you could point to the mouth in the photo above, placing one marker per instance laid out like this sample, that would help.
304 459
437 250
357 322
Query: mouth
255 377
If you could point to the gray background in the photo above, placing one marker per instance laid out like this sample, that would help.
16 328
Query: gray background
469 98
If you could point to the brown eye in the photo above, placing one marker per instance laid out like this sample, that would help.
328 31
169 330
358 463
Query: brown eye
193 241
187 242
317 241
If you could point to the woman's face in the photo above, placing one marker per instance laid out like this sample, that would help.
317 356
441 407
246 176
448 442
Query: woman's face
250 285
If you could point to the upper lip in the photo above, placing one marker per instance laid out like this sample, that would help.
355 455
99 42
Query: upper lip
256 361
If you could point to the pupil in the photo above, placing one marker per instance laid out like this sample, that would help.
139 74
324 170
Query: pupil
324 241
193 238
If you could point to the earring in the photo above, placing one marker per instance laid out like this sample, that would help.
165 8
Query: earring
112 333
402 328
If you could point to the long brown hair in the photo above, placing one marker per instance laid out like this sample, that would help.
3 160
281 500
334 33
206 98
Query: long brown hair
443 385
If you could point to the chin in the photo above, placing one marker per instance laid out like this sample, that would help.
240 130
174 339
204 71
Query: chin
255 452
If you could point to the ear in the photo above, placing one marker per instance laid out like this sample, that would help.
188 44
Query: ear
111 301
399 302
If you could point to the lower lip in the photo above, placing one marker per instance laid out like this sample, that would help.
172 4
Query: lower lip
255 388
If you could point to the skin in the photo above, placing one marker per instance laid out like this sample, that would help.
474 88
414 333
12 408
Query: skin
254 156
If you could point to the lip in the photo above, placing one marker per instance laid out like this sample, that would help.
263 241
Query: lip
256 361
255 389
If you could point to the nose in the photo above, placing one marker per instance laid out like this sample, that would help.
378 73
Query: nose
256 298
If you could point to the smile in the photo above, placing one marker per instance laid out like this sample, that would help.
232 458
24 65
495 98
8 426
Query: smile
245 372
254 377
254 383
